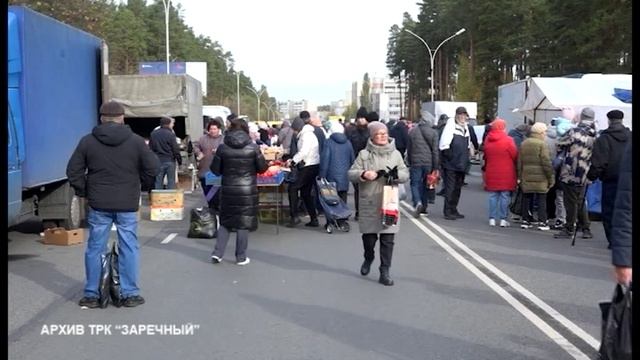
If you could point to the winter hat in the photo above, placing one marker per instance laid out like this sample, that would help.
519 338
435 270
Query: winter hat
297 124
498 125
615 116
111 108
372 116
362 112
336 127
375 126
538 128
461 110
305 116
587 114
562 126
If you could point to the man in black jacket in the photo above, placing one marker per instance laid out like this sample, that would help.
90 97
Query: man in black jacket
109 167
621 234
455 147
400 133
605 164
164 144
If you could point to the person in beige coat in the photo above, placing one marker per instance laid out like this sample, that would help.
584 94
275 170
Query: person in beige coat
536 175
378 162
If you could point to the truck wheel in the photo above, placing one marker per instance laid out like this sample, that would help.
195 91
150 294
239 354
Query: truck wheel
73 218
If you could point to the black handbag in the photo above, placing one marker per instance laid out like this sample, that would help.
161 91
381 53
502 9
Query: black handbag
516 203
616 325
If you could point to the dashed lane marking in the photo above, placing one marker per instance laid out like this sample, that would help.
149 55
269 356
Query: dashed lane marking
169 238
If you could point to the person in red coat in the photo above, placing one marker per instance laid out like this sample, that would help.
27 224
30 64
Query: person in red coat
500 155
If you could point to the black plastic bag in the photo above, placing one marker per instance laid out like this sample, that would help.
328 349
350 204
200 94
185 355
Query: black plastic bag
114 284
616 325
105 280
203 224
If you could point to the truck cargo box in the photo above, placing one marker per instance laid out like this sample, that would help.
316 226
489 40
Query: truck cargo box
55 91
153 96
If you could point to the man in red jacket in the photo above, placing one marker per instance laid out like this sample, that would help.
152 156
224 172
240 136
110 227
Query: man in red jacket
500 155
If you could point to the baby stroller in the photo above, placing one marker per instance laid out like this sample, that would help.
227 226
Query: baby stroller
335 210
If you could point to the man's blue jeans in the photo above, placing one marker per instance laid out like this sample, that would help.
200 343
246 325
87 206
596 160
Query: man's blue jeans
169 169
499 204
418 176
100 223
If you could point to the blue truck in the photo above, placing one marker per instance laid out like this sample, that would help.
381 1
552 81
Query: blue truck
54 93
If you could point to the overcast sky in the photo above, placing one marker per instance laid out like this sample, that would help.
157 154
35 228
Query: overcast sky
301 49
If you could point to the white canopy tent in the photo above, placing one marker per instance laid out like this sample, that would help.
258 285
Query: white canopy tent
546 97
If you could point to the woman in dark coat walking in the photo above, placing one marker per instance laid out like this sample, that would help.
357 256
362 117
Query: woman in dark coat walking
238 160
336 159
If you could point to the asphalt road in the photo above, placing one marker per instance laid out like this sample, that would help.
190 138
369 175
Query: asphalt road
463 290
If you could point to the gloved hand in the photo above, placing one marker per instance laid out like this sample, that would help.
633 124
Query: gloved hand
382 173
392 173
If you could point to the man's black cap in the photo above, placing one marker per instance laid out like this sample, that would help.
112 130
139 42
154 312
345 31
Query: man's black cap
111 108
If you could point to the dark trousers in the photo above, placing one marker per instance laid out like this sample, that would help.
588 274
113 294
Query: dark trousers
343 195
242 240
386 249
453 185
356 196
574 203
527 199
304 183
607 200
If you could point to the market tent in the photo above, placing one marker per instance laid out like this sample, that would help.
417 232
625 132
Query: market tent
546 97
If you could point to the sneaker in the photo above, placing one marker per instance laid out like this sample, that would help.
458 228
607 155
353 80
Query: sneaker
544 226
133 301
458 215
89 302
424 212
558 225
243 262
451 217
215 259
418 210
504 223
492 222
526 224
563 234
586 234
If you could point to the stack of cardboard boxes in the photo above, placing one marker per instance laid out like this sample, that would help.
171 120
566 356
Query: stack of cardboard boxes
167 205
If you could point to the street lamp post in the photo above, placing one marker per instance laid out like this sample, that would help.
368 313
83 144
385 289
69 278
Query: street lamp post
167 6
432 54
258 94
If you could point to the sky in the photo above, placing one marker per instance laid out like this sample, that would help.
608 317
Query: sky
301 49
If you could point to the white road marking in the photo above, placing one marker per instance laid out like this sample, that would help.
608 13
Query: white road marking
169 238
526 312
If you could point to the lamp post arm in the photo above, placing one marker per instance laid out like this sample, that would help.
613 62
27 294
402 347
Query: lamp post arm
421 39
447 39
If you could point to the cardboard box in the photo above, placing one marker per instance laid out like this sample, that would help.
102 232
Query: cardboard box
61 236
272 153
167 198
166 213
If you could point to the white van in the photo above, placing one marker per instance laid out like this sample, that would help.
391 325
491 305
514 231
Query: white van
216 110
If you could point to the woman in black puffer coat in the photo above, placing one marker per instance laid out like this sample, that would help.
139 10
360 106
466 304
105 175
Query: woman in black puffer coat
238 160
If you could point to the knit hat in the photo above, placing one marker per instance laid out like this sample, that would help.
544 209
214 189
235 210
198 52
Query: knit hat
498 125
538 128
587 114
362 112
305 116
297 124
111 108
375 126
373 116
615 115
336 127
